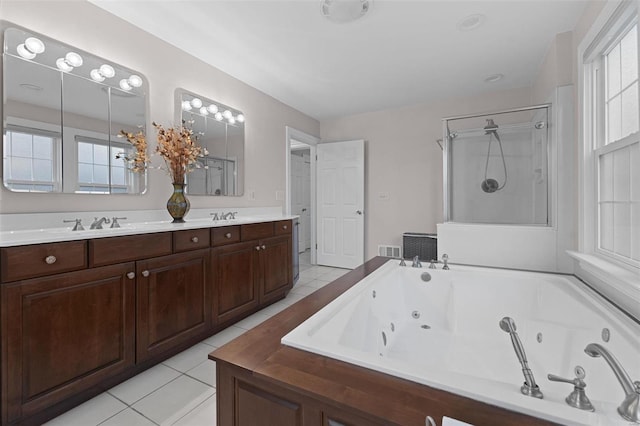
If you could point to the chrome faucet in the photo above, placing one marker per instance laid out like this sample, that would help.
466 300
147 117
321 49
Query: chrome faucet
97 223
115 223
629 409
78 224
529 387
416 262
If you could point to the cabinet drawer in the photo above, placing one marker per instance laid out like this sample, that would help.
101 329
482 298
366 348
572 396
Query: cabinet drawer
106 251
43 259
255 231
190 240
225 235
283 227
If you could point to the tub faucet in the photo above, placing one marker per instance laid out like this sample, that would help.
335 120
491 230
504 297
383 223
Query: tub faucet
629 409
97 223
529 387
416 262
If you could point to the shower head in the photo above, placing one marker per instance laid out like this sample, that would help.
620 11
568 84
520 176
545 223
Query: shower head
491 127
508 324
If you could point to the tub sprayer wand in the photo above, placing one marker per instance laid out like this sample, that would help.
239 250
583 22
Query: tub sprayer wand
529 387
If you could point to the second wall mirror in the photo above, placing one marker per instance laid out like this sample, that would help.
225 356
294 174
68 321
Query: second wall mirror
219 129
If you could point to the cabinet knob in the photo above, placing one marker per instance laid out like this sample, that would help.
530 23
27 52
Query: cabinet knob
131 275
50 260
264 247
194 239
284 226
145 273
258 248
227 235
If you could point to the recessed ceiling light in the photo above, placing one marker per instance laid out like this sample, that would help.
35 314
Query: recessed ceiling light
494 78
471 22
344 10
31 87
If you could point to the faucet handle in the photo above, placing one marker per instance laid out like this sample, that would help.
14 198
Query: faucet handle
114 222
578 398
445 260
215 216
78 224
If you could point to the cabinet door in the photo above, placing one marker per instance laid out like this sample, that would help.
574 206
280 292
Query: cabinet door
256 407
277 272
235 278
173 303
64 334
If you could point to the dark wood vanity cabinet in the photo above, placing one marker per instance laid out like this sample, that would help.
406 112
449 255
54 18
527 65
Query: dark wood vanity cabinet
78 317
64 334
173 301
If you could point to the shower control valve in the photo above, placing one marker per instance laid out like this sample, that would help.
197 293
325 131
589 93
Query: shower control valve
578 398
445 260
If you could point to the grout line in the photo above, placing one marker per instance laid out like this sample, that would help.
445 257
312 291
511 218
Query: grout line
196 407
114 414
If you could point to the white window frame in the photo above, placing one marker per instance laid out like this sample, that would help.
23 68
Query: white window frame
55 159
617 279
109 185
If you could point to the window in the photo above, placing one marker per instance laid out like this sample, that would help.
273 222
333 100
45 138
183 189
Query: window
612 120
98 169
30 160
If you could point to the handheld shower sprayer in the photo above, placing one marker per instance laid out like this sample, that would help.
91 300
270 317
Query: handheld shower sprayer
529 386
490 185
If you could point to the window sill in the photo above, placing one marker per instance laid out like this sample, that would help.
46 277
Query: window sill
621 285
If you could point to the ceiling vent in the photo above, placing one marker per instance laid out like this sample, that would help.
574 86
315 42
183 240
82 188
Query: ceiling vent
345 10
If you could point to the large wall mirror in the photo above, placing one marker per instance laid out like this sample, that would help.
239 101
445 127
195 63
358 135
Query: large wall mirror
63 111
219 129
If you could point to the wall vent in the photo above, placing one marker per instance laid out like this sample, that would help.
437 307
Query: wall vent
390 251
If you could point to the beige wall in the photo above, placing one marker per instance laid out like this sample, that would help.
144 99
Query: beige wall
403 161
89 28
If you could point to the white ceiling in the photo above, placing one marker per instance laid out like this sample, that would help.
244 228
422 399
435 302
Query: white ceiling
401 53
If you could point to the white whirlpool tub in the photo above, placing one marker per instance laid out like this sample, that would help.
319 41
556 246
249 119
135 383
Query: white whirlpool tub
444 333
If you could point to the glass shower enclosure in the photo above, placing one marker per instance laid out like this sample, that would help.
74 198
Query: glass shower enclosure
496 167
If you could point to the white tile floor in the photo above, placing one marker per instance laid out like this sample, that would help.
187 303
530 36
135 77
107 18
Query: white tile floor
181 390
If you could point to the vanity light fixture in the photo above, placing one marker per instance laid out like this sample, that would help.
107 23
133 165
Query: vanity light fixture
212 108
227 114
232 120
186 106
218 116
196 102
70 61
30 48
131 82
105 71
240 118
204 111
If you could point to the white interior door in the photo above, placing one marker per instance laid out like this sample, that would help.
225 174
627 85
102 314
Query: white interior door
340 169
297 197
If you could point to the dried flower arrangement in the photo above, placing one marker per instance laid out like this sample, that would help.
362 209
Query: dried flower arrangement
177 146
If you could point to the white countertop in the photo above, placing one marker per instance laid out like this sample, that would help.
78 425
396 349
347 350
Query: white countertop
21 234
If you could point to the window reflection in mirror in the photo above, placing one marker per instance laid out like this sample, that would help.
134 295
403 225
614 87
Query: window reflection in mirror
63 110
219 129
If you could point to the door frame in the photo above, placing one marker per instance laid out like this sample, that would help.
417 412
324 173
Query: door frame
294 135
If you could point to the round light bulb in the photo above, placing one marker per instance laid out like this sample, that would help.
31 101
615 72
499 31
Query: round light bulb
203 111
63 65
124 85
218 116
240 118
186 106
73 59
232 120
227 114
35 45
196 103
135 80
107 71
24 52
96 75
212 108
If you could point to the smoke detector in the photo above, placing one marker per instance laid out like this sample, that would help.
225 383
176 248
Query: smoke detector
345 10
